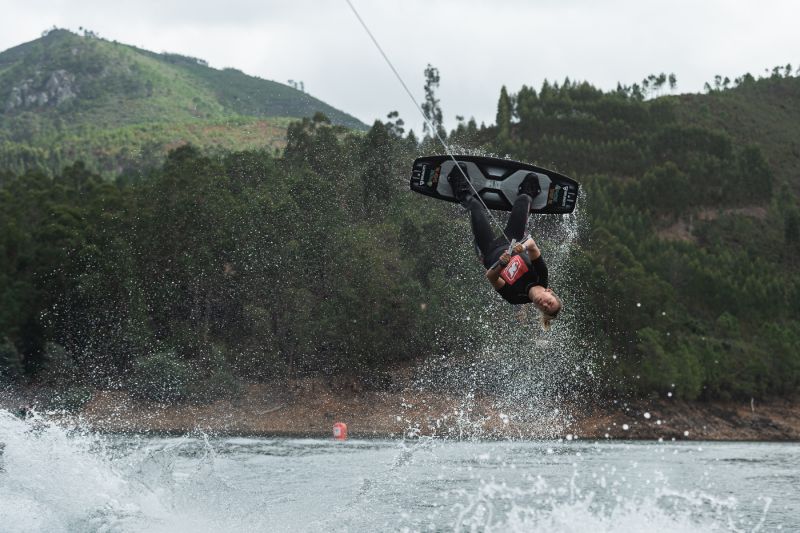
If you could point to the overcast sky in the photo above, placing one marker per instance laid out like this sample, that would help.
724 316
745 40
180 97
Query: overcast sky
476 45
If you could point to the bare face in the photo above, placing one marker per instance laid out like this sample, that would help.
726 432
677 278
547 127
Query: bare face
547 301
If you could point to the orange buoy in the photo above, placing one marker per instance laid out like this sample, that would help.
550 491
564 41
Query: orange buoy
340 431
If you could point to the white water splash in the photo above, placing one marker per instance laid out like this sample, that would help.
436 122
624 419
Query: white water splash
532 374
541 508
54 478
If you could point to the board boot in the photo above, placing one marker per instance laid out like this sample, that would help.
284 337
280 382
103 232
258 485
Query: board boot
458 182
530 185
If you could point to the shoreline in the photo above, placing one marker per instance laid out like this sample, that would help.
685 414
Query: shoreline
311 409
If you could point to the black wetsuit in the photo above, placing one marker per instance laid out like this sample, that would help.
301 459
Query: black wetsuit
492 248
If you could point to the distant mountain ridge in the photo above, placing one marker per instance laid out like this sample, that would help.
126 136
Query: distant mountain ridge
61 94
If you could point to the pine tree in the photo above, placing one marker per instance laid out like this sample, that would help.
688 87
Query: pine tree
431 108
504 114
673 81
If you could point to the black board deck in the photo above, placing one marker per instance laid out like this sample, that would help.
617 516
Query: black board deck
497 181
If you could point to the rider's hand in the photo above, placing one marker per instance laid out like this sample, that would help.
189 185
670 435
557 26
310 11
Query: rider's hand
518 248
504 259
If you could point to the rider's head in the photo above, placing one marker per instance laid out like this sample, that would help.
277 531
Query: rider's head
549 305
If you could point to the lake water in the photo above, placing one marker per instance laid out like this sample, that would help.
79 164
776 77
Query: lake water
52 479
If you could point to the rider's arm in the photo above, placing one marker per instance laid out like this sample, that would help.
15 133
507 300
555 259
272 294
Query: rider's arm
493 274
541 270
533 249
537 261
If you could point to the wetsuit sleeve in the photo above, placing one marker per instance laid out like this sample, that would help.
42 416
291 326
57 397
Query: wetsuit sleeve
541 271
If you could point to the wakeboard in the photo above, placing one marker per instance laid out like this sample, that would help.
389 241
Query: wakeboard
497 182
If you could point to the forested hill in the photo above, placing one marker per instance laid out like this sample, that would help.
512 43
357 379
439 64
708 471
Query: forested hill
203 273
65 97
693 248
762 112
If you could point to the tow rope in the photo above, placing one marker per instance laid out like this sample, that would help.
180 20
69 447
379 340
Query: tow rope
425 118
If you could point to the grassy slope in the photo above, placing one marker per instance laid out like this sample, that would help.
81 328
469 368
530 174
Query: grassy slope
130 100
251 96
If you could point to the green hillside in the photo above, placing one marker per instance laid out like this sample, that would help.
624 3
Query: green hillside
765 113
690 262
220 267
66 97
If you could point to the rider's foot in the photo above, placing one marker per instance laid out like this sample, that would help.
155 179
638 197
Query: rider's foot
458 182
530 185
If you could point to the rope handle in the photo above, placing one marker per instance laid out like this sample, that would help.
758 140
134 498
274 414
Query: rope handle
510 249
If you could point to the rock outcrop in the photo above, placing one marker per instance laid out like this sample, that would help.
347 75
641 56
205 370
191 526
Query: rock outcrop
53 90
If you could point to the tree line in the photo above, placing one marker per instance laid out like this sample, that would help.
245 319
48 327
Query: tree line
216 268
693 247
210 269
